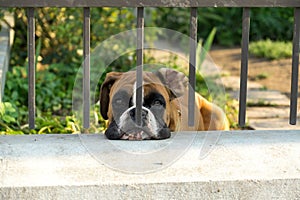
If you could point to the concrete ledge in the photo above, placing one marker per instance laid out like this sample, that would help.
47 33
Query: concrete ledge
218 165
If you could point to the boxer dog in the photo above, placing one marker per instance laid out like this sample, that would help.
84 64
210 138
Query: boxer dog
164 106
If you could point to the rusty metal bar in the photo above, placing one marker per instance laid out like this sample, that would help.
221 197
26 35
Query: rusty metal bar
147 3
31 67
295 68
244 67
192 65
86 68
139 65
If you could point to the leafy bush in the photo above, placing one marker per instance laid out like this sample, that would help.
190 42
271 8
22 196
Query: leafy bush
273 23
53 92
53 99
8 119
8 112
271 49
60 30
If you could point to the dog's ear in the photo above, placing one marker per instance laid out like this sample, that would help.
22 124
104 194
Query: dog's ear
105 90
174 80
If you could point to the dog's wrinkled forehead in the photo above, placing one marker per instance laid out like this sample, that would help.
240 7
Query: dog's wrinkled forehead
127 82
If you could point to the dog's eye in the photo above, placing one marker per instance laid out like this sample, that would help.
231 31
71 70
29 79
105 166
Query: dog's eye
157 103
118 101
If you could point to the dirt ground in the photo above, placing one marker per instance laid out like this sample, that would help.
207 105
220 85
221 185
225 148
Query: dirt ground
274 75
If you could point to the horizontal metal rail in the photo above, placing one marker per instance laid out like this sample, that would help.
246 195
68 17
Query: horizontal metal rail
149 3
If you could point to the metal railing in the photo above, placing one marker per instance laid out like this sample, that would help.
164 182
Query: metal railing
140 4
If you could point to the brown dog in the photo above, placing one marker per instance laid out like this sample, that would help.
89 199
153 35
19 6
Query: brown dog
165 106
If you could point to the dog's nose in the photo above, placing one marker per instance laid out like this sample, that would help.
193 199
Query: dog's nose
144 114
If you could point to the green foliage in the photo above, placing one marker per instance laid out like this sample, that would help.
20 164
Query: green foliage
271 49
53 101
231 110
44 124
261 103
16 91
8 118
50 124
202 52
261 76
8 112
52 91
273 23
60 30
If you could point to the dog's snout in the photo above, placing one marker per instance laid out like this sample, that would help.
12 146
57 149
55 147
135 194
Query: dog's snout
132 114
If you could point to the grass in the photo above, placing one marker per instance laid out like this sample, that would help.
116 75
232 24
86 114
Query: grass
272 50
260 103
261 76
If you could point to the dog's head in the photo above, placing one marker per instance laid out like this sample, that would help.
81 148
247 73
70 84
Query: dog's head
118 103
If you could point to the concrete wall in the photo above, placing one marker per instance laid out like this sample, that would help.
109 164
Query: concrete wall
217 165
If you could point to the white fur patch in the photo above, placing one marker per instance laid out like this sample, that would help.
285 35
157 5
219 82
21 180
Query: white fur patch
151 123
125 117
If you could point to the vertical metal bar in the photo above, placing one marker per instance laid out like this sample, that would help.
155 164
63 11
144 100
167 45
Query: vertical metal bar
139 63
31 67
86 68
192 65
244 66
295 68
